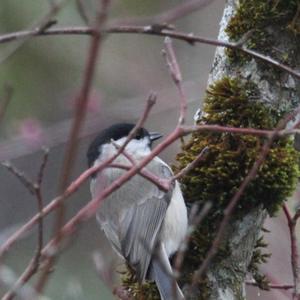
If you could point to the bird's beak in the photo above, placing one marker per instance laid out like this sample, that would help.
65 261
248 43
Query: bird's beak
155 136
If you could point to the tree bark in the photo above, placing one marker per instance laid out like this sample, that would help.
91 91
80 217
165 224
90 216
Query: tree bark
282 92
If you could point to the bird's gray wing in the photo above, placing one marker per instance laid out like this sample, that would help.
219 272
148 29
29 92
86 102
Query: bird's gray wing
133 215
138 240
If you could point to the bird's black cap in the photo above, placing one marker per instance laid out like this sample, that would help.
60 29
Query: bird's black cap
113 132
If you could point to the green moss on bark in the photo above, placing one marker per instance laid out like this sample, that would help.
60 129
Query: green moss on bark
259 16
231 102
138 291
259 257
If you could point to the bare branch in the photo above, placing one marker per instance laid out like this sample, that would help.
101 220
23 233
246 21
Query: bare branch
244 38
193 164
150 30
74 186
149 104
43 166
38 27
292 222
33 266
175 72
29 185
82 10
81 106
35 188
162 184
273 285
55 135
8 277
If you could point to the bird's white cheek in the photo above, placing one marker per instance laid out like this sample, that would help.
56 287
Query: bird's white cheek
175 223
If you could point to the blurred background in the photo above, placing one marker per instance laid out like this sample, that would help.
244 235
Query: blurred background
45 74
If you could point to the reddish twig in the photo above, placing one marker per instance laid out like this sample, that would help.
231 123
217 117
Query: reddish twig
90 209
150 30
237 130
74 186
200 157
55 135
35 189
29 185
273 285
150 102
292 222
39 27
174 69
8 278
162 184
31 269
81 107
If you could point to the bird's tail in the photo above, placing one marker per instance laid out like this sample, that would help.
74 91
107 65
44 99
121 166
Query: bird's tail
161 273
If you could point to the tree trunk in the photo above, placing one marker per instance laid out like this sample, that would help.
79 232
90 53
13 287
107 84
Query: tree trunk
280 91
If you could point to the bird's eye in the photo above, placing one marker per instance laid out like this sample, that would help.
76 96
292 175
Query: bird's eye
139 135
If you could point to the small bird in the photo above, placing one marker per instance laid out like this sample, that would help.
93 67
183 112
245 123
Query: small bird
144 224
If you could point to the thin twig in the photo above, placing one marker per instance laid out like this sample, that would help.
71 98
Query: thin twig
244 38
35 189
38 27
162 184
237 130
81 107
150 30
21 176
55 135
74 186
90 209
8 278
175 72
82 10
151 100
43 166
292 222
273 285
5 99
200 157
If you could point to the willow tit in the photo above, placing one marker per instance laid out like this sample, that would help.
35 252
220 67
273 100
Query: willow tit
144 224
